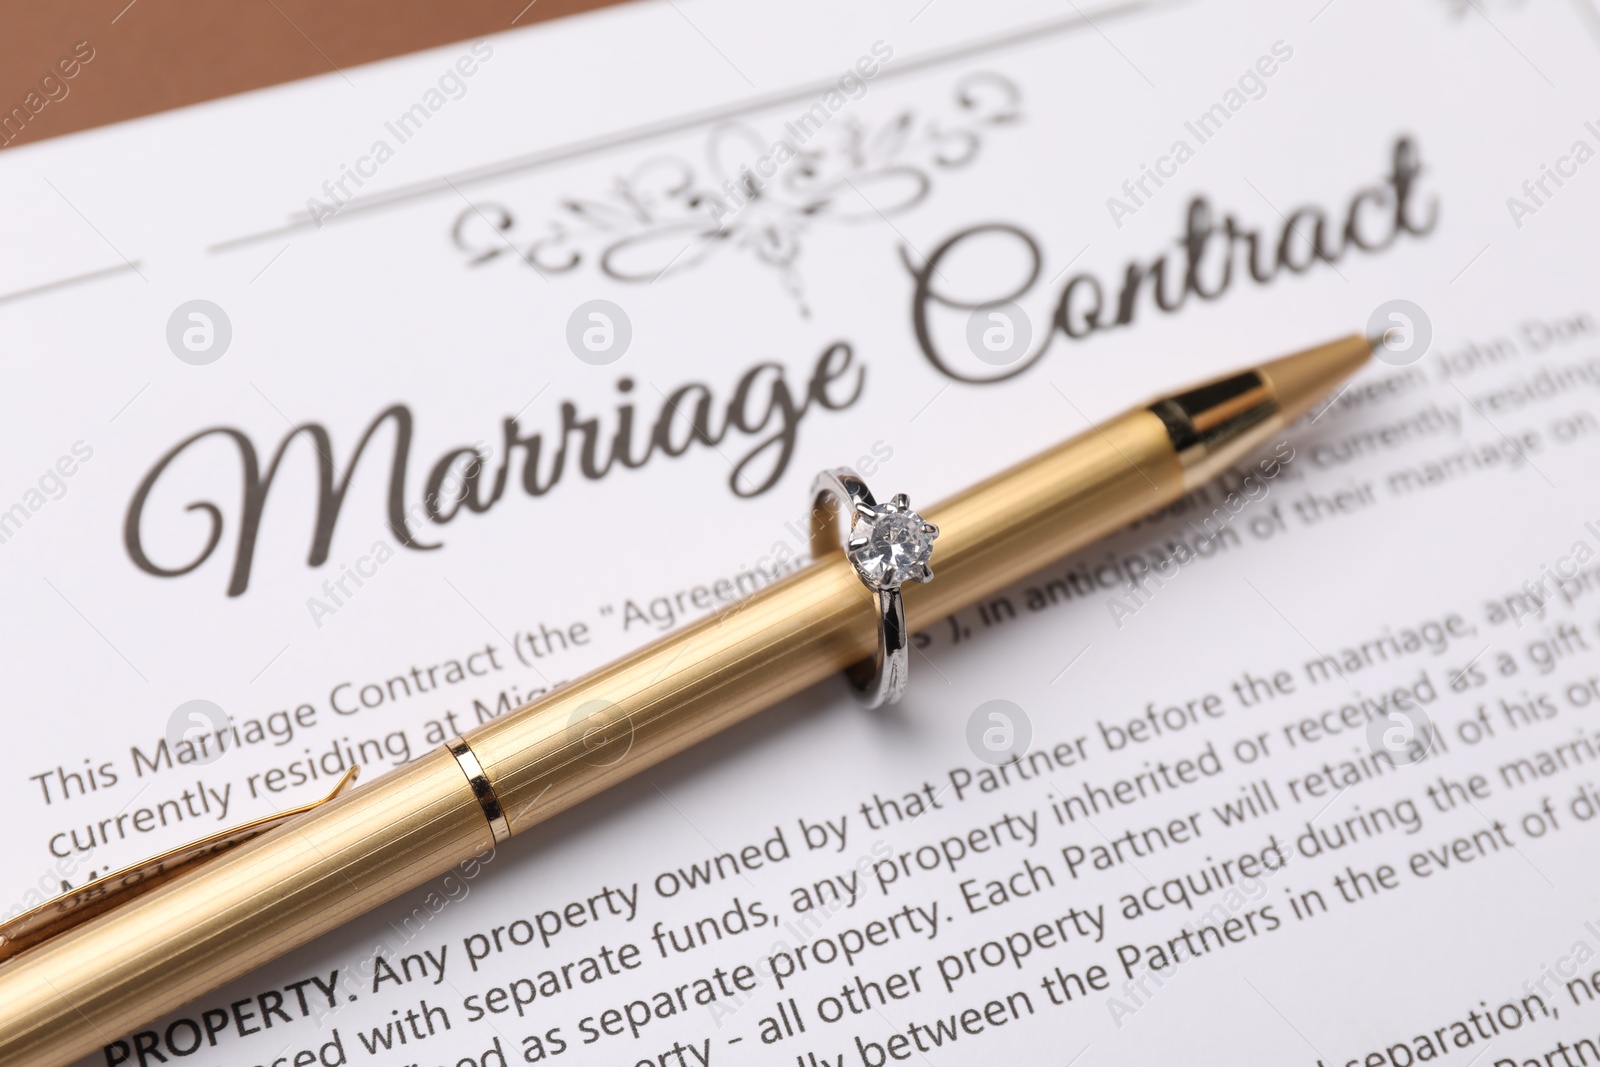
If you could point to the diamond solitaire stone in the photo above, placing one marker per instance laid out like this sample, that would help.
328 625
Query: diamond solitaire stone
892 545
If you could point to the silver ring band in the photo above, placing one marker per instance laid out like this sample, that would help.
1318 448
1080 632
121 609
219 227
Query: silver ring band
482 788
887 544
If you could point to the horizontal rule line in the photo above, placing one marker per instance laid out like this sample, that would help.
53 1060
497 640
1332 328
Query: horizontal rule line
76 279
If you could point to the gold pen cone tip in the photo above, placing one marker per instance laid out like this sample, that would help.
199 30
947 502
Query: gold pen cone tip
1305 379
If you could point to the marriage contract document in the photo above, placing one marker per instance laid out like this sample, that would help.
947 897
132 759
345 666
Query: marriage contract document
347 415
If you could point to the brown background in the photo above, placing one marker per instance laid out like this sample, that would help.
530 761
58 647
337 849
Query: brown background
154 55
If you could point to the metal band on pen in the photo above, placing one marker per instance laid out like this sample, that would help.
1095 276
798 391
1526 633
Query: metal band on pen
482 788
1201 423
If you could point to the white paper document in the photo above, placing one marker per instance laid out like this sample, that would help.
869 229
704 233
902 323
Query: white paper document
344 416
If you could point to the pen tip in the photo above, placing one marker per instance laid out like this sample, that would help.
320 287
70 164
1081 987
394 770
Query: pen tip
1305 378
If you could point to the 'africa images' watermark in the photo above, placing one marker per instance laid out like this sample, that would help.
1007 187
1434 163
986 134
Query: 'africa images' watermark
338 590
1251 85
1538 191
451 85
51 485
52 88
1253 485
746 186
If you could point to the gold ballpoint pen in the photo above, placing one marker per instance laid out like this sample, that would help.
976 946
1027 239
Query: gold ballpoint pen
89 970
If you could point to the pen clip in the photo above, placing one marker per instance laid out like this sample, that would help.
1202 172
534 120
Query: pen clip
76 906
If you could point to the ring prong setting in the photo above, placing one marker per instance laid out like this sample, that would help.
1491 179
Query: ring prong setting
891 544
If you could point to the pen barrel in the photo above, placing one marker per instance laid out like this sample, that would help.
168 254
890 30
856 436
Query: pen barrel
94 983
695 682
121 970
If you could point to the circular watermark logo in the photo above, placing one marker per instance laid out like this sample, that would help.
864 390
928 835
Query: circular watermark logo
201 726
1403 734
199 332
604 731
999 334
1402 330
998 731
599 332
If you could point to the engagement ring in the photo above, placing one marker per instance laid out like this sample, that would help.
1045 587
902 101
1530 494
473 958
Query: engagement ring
887 544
